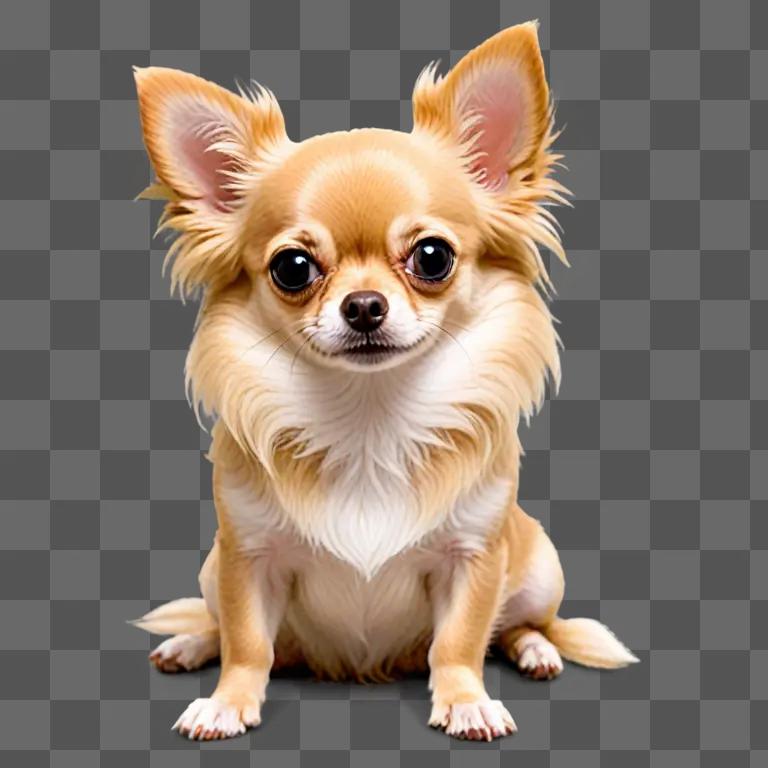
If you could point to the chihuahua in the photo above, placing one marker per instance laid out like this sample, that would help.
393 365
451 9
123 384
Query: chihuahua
373 324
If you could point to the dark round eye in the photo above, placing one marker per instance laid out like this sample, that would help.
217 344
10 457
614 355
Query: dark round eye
293 270
431 259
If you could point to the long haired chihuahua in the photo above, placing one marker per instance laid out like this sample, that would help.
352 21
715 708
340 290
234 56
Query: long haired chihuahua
373 325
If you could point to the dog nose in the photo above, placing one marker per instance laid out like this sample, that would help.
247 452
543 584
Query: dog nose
364 310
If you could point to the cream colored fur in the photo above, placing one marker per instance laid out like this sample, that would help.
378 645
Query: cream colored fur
367 508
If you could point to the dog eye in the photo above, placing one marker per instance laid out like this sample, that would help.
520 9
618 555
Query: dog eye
293 270
431 259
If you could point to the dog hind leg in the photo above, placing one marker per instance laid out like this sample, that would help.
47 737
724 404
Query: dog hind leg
534 655
186 652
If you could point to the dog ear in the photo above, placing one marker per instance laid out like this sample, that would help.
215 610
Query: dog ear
200 136
207 146
494 102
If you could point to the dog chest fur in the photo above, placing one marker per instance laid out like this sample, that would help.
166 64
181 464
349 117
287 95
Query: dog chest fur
352 617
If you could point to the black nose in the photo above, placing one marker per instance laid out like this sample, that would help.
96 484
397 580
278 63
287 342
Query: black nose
364 310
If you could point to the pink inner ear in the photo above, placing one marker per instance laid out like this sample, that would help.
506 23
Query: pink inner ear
201 165
498 96
207 167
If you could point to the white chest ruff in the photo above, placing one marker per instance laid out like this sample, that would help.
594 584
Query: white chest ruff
372 432
365 524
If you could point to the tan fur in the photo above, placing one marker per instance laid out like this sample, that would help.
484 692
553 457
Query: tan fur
367 521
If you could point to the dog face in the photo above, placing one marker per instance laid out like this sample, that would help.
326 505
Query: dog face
381 245
363 247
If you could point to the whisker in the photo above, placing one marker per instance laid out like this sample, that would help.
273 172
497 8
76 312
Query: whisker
284 342
269 336
490 316
451 336
458 325
298 351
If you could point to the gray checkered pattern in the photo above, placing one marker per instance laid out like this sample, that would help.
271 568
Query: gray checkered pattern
650 469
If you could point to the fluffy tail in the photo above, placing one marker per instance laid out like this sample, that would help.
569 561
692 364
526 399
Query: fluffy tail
189 615
589 642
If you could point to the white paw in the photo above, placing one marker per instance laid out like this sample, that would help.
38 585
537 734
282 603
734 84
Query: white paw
185 652
539 659
479 720
207 719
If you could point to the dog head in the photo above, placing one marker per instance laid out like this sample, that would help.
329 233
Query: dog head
364 247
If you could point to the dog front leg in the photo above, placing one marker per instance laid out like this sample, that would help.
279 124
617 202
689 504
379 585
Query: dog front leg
250 609
466 604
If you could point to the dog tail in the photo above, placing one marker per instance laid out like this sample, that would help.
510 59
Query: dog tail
189 615
588 642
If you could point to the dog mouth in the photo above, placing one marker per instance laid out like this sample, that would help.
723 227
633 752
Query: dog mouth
371 351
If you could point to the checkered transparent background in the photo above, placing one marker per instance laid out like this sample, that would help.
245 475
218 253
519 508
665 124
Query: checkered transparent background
650 469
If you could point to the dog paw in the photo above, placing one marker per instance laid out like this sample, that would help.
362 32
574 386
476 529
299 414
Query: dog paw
206 719
539 659
185 652
477 720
